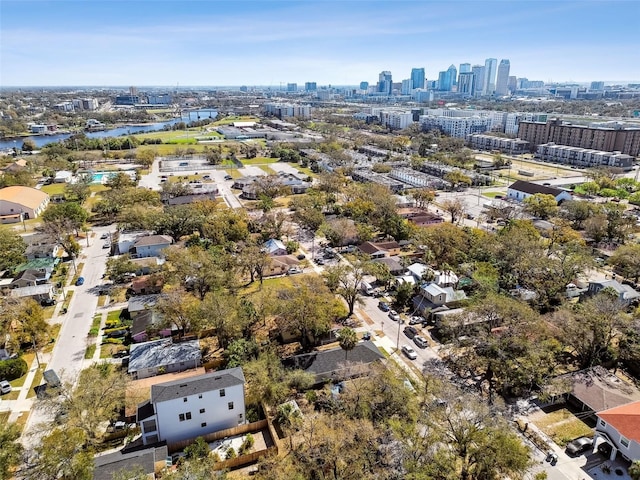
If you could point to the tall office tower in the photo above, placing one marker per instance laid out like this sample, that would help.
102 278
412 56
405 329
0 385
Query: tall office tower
364 86
452 71
406 86
478 70
490 67
385 83
442 80
597 86
502 83
292 87
465 68
513 83
466 83
417 78
311 86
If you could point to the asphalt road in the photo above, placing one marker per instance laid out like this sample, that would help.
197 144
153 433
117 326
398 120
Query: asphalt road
67 357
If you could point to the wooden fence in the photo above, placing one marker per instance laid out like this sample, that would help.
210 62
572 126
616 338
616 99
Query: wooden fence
245 459
212 437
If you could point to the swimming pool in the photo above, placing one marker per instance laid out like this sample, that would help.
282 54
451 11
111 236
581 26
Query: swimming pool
99 178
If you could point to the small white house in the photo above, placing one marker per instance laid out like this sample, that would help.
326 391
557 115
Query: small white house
520 190
192 407
63 176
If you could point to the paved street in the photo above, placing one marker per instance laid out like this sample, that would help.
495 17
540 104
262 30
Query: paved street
68 353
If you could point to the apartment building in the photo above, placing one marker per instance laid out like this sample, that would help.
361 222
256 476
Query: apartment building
616 139
513 146
583 157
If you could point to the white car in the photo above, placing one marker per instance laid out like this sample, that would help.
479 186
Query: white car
294 270
409 352
393 315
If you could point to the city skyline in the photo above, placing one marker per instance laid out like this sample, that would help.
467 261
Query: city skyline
150 43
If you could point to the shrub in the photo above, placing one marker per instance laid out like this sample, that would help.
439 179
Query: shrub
246 444
231 453
13 368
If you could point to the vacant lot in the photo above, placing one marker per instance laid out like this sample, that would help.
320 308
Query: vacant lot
562 426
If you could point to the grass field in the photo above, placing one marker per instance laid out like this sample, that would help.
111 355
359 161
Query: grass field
88 353
233 172
259 161
268 169
36 380
54 188
563 426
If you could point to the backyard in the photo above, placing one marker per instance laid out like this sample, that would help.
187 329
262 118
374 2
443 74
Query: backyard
561 425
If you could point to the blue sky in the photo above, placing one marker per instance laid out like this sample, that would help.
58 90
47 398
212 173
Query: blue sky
209 42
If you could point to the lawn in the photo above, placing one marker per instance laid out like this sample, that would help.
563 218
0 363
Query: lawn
492 194
268 169
54 188
55 331
88 354
36 380
114 317
19 382
108 349
95 325
259 161
562 426
234 173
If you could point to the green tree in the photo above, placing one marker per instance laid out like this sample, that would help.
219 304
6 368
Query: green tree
119 267
634 470
198 449
10 449
457 179
145 156
454 207
345 280
180 309
195 269
348 339
64 218
541 205
592 328
307 308
626 260
80 189
13 248
63 454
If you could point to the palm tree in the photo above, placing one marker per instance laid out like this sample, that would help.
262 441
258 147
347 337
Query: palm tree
348 340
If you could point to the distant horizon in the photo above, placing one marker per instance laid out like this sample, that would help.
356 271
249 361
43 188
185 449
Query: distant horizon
109 43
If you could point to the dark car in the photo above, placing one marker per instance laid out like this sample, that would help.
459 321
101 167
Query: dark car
579 445
384 306
605 449
410 332
47 302
80 281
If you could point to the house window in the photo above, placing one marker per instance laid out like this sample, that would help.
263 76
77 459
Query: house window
222 392
203 424
240 416
181 417
184 399
603 423
230 404
624 442
188 415
200 396
202 410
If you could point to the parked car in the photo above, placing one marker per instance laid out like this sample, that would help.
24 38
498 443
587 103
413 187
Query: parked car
228 177
80 281
579 445
409 352
294 270
319 261
410 332
104 236
384 306
416 319
301 256
47 302
393 315
106 245
5 387
420 341
349 249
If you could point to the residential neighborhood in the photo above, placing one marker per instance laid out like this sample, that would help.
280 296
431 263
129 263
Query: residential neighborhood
277 291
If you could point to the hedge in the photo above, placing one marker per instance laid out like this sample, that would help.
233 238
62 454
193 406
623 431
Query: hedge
13 368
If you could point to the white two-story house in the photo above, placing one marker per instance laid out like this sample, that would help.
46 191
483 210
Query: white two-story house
620 428
193 407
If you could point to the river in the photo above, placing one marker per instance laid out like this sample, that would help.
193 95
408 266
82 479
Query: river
41 140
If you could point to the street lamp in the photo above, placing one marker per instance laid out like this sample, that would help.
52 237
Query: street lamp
398 339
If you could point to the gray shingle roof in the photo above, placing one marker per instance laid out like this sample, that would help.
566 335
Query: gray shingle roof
323 364
196 385
161 353
106 466
533 188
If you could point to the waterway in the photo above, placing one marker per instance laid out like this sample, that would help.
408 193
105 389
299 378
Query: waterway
41 140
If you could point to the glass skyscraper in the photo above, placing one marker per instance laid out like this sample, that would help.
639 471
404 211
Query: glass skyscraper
417 78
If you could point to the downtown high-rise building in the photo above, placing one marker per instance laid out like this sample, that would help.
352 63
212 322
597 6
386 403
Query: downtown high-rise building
513 83
385 82
310 86
405 89
292 87
452 73
364 86
490 70
466 83
502 82
465 68
478 71
417 78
